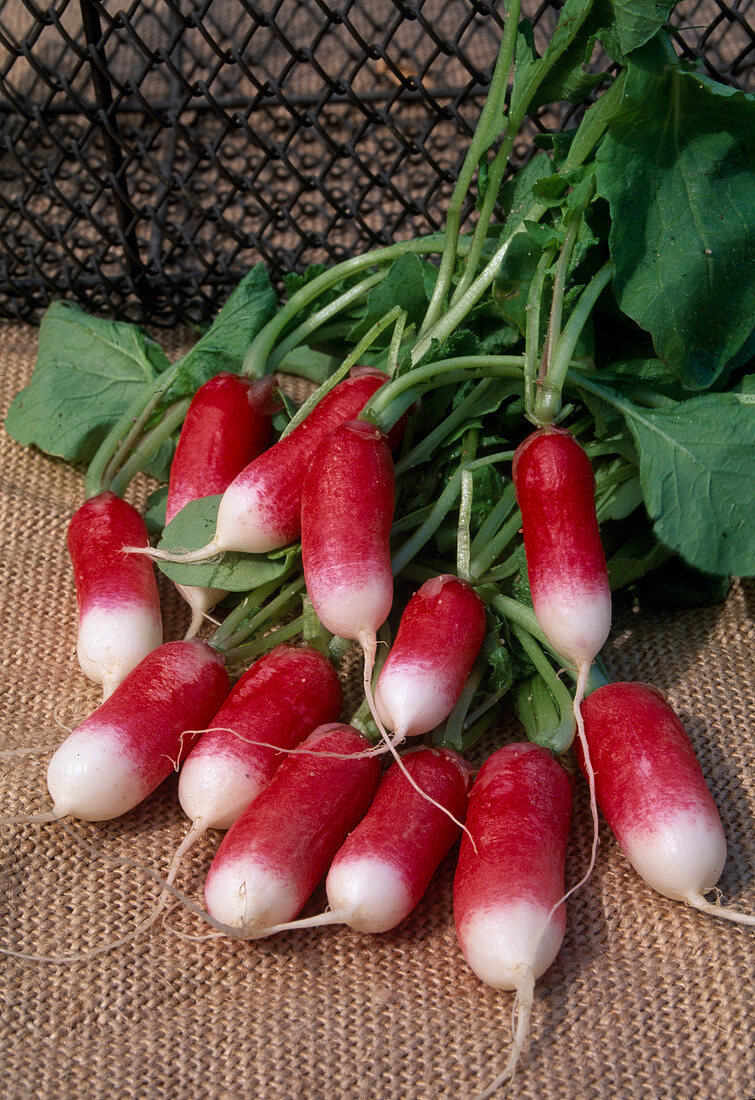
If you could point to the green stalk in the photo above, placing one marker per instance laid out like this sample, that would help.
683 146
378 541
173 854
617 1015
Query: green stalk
454 726
256 360
548 400
404 390
149 445
395 347
267 642
559 285
565 732
350 361
485 558
428 444
494 519
121 436
424 533
270 610
322 316
254 599
485 133
465 506
532 335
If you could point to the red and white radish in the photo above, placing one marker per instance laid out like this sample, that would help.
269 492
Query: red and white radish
228 424
261 508
119 606
566 563
384 867
131 743
509 893
438 639
274 855
346 516
277 702
653 794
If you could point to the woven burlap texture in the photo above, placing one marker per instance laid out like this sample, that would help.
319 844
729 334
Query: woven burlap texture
646 999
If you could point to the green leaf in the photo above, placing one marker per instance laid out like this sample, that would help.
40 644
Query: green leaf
88 371
696 463
676 169
529 70
676 585
224 345
193 527
403 286
624 25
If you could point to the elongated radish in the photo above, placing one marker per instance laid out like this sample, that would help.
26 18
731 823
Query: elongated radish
278 701
119 607
346 516
438 639
508 895
653 794
383 868
566 564
132 742
272 858
261 508
227 425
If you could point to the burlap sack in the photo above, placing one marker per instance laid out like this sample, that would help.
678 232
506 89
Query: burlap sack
646 999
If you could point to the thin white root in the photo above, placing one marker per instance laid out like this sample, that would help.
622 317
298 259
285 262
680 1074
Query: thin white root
183 557
368 643
32 819
200 600
521 1014
699 902
330 916
9 754
583 672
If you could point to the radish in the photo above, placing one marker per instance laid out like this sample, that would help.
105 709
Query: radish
271 859
277 702
384 867
260 509
346 516
509 893
119 607
132 742
438 639
653 795
227 425
566 564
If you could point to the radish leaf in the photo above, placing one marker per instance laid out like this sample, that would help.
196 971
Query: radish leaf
675 167
87 372
193 527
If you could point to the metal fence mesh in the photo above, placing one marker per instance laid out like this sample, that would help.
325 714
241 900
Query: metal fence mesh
151 151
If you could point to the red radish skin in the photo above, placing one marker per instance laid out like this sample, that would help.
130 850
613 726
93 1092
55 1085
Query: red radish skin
566 564
227 425
132 742
272 858
277 702
261 508
384 867
438 639
119 607
509 894
346 517
653 794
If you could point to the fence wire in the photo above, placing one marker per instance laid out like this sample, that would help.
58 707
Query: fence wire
150 152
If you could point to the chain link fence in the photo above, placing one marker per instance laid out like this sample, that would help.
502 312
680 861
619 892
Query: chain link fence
151 151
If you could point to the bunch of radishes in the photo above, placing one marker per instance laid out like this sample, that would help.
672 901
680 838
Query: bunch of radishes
299 793
408 507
